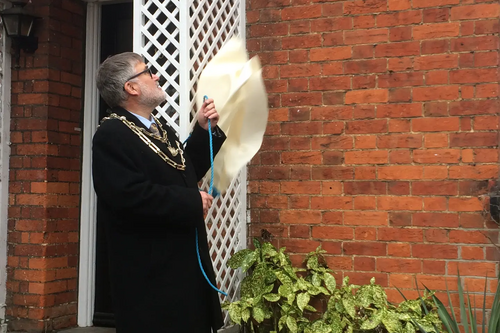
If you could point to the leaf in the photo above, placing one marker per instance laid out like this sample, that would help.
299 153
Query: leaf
281 322
316 280
373 321
330 282
285 290
349 305
272 297
310 308
245 315
258 314
312 262
237 259
235 313
248 261
302 300
392 323
256 243
292 324
284 278
450 324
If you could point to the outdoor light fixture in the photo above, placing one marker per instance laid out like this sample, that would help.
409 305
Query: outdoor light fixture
18 23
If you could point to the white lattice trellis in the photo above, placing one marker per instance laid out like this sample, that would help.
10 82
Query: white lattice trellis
178 38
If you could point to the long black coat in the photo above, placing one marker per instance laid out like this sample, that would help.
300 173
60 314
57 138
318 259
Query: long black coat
150 212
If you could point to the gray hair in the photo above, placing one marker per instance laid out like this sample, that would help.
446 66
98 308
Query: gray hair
113 74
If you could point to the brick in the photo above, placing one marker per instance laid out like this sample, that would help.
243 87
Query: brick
366 96
471 253
473 172
432 156
333 202
331 24
435 46
400 34
333 232
332 53
398 250
399 110
474 107
302 70
365 218
366 126
301 42
434 251
473 75
300 187
400 234
364 264
399 203
365 203
300 12
399 18
473 139
474 43
436 62
473 268
397 49
431 125
330 83
370 36
399 4
400 80
276 29
475 12
363 22
301 99
435 93
354 188
433 15
435 220
365 66
433 3
299 245
399 265
400 141
465 204
437 30
399 125
366 157
365 7
365 248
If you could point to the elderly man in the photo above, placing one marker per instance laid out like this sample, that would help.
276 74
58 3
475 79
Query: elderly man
151 207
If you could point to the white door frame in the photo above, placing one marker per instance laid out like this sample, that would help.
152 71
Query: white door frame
86 275
5 73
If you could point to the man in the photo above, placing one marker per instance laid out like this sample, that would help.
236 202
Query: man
151 207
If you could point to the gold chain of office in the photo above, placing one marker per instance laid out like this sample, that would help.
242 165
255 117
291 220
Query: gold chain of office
143 135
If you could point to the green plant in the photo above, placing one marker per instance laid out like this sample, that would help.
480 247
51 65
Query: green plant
277 297
468 315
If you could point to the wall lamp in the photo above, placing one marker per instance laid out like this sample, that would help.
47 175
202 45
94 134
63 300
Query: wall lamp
18 23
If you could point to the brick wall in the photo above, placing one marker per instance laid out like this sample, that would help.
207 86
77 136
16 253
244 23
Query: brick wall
382 142
45 172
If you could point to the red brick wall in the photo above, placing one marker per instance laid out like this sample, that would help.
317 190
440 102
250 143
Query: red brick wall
45 172
382 142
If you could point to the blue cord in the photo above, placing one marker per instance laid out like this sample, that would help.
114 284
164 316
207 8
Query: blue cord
209 192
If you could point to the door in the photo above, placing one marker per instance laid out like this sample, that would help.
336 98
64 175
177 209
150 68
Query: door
116 37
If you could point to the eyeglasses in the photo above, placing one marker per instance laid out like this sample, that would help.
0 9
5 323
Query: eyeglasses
147 70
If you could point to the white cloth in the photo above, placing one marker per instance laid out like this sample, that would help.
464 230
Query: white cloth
235 84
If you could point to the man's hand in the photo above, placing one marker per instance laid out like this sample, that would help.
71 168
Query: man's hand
208 111
206 199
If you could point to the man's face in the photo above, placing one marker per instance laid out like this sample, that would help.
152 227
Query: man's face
151 94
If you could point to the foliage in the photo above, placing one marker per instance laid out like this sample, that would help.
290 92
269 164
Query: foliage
468 317
278 298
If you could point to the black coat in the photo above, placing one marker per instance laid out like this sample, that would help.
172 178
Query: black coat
150 211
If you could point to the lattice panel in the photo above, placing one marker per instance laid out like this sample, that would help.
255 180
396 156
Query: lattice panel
178 38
